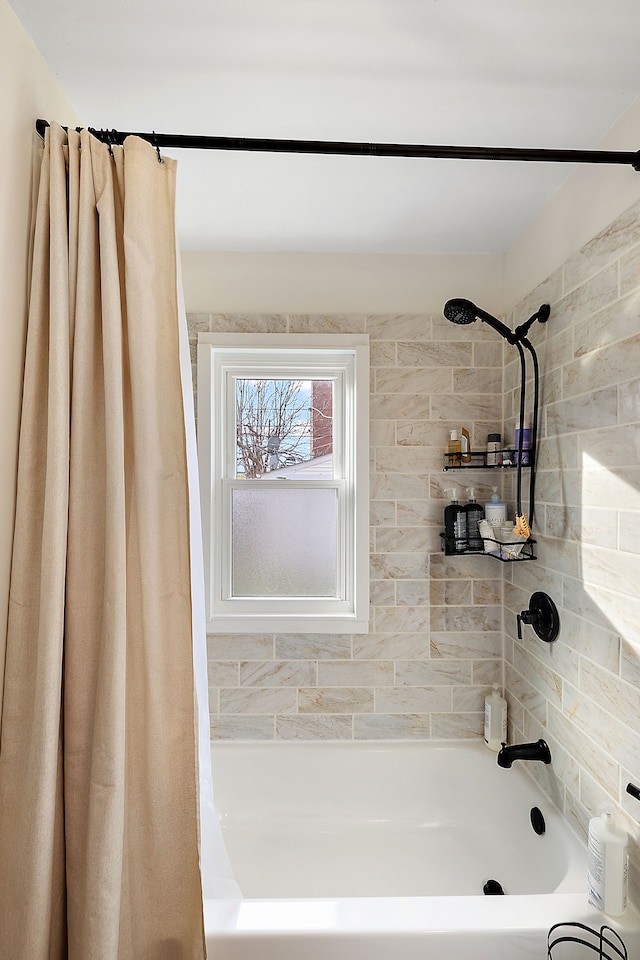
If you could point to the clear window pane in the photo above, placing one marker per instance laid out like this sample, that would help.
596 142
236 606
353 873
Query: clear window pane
284 542
284 428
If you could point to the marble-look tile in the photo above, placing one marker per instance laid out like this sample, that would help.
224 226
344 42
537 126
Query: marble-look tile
586 525
471 618
382 433
435 354
391 646
403 459
401 539
398 406
456 592
336 700
457 726
477 380
355 673
198 323
392 727
615 737
401 327
629 402
488 355
242 728
413 699
630 662
487 591
248 323
382 513
596 409
613 364
382 593
595 293
606 246
240 646
398 486
419 512
223 673
457 407
413 380
603 568
466 645
412 593
591 641
617 446
327 323
601 486
399 566
401 619
278 673
420 433
382 354
425 673
550 290
543 678
314 728
313 646
468 699
258 700
611 693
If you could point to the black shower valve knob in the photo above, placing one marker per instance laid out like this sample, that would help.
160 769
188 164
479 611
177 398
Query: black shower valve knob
542 615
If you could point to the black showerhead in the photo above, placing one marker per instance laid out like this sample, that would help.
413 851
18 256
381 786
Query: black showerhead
460 311
464 311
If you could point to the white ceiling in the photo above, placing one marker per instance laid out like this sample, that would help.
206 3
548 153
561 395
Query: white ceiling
522 73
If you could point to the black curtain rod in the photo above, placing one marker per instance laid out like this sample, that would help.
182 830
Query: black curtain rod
343 148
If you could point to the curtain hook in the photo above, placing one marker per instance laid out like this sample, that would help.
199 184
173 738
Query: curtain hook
154 141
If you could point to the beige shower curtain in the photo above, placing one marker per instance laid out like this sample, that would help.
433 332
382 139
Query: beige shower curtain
98 792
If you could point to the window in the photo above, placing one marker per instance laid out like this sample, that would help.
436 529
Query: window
283 450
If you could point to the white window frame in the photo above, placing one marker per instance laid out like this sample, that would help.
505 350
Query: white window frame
344 357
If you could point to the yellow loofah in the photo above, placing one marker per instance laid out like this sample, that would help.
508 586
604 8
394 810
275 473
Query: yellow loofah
522 528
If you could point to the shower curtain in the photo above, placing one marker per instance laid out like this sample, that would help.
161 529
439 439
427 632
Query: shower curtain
99 833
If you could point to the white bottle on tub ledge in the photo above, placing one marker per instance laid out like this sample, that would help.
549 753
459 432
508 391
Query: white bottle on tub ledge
495 719
607 856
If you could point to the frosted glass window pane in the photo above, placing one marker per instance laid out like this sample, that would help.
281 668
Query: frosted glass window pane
284 542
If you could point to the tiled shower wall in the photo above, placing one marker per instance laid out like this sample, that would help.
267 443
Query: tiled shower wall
435 643
582 693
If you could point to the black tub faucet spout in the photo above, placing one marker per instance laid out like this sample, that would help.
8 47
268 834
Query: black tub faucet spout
524 751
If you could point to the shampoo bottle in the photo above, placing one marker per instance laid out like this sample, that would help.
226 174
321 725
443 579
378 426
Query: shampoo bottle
495 719
607 863
474 514
455 527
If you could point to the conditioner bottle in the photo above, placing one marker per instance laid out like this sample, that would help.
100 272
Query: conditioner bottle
607 857
495 719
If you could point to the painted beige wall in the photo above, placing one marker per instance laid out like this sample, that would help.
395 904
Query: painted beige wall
334 283
28 90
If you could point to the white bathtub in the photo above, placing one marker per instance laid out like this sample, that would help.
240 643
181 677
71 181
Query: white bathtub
381 851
